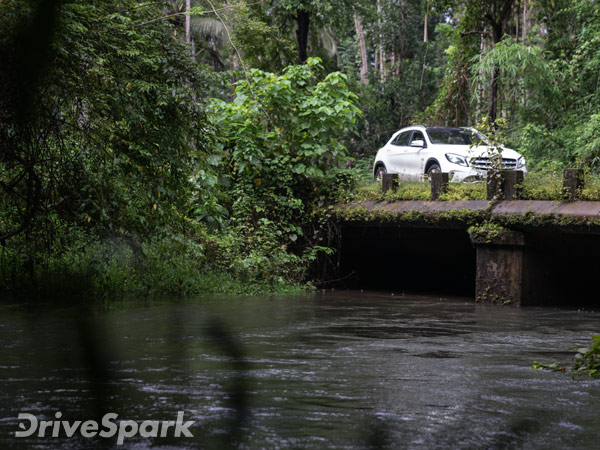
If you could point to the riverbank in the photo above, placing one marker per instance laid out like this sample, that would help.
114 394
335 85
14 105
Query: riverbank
189 258
89 266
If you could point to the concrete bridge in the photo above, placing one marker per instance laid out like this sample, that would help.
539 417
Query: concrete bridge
516 252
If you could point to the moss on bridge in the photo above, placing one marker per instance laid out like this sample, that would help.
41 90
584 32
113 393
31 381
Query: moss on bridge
580 216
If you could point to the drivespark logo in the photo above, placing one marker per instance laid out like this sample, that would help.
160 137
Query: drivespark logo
107 428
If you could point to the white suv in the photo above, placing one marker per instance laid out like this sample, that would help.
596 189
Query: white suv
416 151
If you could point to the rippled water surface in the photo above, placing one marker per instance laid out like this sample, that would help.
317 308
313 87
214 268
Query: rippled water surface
331 370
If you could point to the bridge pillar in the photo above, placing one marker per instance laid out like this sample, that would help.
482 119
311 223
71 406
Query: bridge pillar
500 275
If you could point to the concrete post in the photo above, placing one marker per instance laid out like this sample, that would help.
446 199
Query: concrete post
439 184
504 184
495 182
572 183
512 184
389 181
499 275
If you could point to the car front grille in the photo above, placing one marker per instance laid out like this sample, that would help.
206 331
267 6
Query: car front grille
486 164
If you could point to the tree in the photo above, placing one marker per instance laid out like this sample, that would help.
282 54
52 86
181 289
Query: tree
478 27
307 14
488 18
108 132
281 135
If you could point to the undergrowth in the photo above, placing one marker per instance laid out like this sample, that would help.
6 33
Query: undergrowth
543 184
87 266
586 361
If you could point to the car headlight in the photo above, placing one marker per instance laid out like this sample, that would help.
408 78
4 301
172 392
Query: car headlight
457 159
520 162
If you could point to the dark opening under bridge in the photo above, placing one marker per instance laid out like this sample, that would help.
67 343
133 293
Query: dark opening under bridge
518 252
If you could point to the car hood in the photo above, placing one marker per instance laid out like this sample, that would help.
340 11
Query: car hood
475 152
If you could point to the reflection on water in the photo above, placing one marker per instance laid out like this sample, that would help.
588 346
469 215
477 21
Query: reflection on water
336 370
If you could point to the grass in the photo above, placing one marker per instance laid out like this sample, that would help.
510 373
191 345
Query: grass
537 185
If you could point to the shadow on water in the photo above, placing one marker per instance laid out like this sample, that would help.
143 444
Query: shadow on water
96 358
228 345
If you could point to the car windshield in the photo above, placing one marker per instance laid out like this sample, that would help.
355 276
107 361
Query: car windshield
454 136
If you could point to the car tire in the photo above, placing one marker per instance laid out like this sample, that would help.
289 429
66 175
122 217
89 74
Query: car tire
380 171
434 168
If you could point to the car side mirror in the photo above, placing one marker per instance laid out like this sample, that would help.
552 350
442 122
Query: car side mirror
418 143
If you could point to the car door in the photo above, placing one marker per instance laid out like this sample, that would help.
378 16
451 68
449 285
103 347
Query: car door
396 153
413 158
405 158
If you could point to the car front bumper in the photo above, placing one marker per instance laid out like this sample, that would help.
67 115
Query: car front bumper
468 174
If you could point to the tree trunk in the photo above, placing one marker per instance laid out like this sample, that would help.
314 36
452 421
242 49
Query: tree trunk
381 50
524 32
400 57
424 66
188 6
425 37
480 86
493 106
363 49
498 24
303 21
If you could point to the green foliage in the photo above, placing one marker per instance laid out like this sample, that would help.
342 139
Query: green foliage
588 142
281 144
520 68
414 190
591 186
105 139
547 79
554 367
115 129
391 105
495 136
587 361
238 29
281 159
452 106
85 265
408 191
542 185
465 191
542 147
488 231
288 118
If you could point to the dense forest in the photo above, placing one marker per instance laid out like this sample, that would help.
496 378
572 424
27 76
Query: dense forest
194 146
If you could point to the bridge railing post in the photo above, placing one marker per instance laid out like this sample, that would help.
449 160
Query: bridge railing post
389 181
494 182
504 184
572 183
439 184
513 180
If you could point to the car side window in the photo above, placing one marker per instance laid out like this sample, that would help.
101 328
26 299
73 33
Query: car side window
417 135
401 139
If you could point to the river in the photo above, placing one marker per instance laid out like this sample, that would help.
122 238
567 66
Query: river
326 370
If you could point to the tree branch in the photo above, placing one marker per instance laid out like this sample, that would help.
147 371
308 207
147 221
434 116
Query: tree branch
467 33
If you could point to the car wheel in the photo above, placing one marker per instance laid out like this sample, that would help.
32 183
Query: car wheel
379 172
434 168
